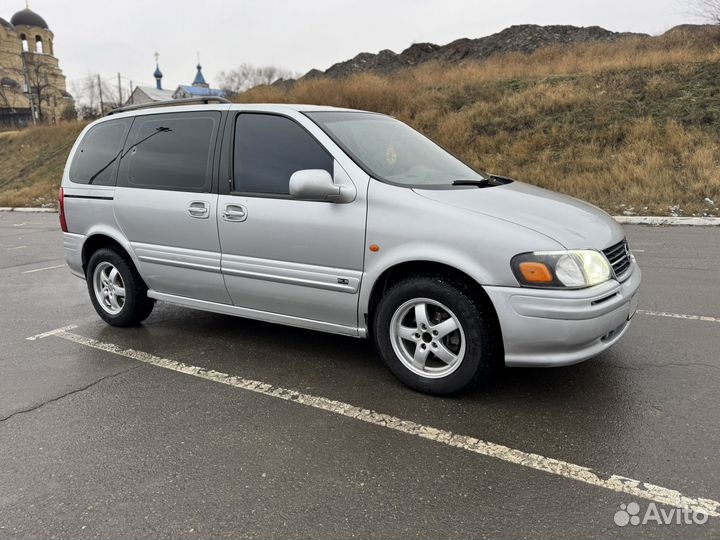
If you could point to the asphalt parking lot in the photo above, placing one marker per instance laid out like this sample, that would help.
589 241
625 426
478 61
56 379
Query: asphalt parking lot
110 432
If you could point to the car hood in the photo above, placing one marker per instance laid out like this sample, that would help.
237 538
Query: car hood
571 222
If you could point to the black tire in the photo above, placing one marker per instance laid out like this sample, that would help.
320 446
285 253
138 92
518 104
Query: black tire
483 343
137 306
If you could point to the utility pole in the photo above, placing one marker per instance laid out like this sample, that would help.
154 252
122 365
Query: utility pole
119 91
31 98
102 105
130 99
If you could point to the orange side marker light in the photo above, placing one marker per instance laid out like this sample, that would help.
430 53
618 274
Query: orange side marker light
535 272
374 247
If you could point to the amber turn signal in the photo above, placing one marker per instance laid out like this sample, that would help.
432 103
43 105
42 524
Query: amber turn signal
535 272
374 247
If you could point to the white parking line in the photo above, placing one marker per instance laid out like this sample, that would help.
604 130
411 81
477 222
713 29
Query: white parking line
52 332
16 247
703 318
557 467
42 269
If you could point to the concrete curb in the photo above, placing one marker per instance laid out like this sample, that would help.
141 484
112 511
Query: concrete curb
28 209
668 220
627 220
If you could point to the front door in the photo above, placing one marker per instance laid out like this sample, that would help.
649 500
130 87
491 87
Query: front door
165 204
300 259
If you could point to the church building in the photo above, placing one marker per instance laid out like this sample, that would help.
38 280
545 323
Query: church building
32 85
148 94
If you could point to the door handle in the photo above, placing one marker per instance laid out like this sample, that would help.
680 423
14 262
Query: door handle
235 212
199 209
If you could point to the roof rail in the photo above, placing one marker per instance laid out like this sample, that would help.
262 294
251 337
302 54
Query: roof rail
184 101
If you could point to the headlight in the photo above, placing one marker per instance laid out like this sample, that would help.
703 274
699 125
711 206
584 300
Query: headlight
561 269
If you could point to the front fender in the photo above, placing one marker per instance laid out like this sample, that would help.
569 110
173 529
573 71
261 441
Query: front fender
376 264
408 227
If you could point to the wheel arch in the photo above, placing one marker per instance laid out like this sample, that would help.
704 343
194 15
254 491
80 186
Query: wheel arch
401 270
104 238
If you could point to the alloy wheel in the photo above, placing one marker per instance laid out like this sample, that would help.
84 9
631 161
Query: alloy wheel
427 337
109 288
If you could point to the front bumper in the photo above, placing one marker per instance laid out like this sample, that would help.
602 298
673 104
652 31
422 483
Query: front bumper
544 328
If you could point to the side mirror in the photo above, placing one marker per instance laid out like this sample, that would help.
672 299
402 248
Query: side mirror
318 185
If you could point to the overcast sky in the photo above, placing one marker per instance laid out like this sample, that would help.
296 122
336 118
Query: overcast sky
109 37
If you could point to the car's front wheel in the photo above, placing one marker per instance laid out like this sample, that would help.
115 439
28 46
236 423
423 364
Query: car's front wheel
435 336
117 291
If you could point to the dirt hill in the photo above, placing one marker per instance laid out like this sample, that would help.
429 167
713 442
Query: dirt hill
32 163
525 38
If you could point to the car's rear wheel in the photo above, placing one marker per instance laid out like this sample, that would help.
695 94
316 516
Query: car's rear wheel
435 336
117 291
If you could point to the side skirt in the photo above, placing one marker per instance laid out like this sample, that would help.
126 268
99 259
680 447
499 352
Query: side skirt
259 315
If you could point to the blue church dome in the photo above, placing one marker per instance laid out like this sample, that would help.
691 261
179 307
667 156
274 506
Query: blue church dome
199 78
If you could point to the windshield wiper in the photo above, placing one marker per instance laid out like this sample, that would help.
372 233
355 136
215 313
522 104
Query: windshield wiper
485 182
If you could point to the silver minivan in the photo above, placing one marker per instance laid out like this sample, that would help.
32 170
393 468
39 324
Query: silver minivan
342 221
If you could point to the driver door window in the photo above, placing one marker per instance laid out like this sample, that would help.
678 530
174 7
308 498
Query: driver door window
268 150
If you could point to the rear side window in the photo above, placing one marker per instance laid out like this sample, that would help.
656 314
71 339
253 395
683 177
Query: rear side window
96 158
269 149
170 151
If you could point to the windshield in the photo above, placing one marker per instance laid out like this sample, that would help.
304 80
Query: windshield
392 151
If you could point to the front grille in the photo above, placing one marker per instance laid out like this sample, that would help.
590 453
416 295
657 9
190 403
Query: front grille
619 257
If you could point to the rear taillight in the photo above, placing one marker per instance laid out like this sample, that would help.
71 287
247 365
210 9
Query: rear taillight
61 208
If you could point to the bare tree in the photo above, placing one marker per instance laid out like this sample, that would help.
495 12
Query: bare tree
708 10
246 76
42 89
69 113
87 95
84 92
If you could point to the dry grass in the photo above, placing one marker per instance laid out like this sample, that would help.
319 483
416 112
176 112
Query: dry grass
631 126
32 163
